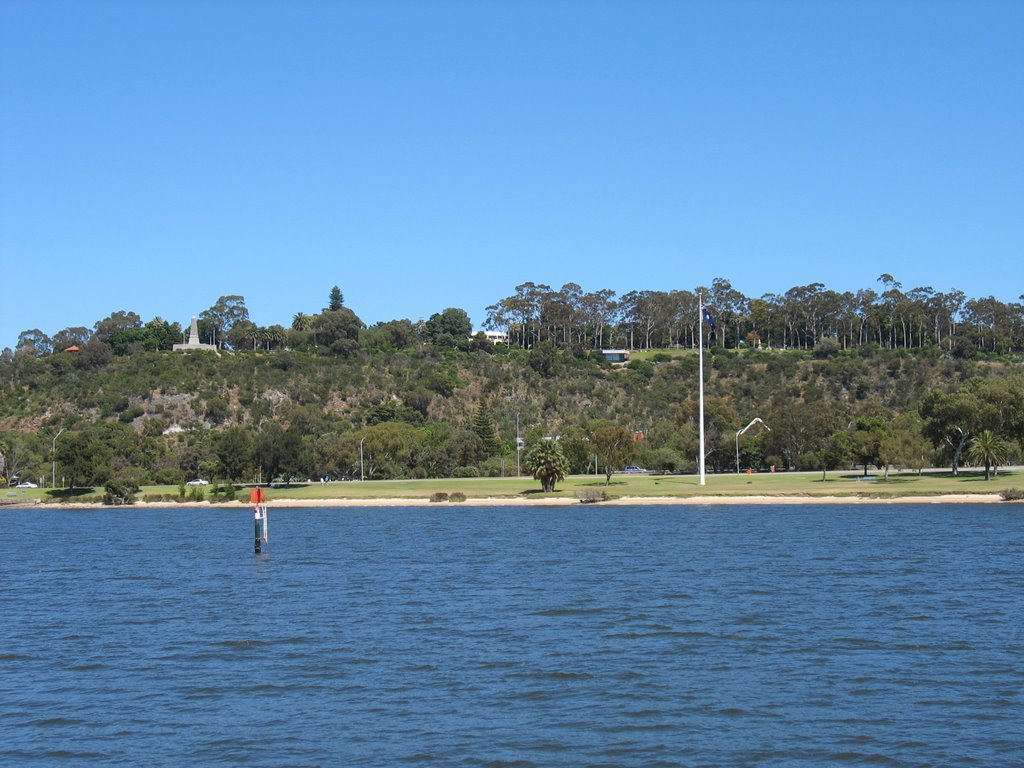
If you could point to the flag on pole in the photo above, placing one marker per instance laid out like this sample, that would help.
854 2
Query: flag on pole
709 319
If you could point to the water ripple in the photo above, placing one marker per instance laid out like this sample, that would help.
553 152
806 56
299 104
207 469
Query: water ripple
653 636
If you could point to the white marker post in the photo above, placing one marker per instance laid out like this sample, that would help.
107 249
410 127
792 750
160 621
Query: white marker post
259 501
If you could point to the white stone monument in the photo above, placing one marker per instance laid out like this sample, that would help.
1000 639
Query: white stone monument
193 341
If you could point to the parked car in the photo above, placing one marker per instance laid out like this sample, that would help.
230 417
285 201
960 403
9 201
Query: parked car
631 468
198 482
26 485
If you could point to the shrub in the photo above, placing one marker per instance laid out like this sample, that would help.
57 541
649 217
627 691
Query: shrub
439 496
160 498
1012 494
120 490
826 346
591 495
457 496
197 493
224 492
465 472
167 476
494 467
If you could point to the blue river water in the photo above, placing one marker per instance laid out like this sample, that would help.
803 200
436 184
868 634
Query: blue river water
509 636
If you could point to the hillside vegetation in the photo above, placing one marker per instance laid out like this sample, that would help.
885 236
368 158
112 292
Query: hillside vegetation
332 398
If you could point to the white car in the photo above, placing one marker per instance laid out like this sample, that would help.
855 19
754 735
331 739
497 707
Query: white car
26 485
198 482
633 469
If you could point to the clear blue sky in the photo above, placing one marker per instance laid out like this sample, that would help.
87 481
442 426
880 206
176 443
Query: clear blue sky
420 155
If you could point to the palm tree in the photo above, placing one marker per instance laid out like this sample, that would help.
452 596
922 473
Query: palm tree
303 322
253 334
987 448
275 335
548 464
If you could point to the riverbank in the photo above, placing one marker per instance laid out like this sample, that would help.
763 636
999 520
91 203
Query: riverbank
638 488
766 500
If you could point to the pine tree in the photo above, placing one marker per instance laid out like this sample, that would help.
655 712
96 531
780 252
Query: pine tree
336 300
483 426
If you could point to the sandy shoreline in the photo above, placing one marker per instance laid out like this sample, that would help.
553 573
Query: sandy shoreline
960 498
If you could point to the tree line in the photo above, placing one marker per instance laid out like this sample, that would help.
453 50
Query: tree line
804 317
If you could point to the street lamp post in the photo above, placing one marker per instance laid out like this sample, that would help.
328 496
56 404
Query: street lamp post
53 457
519 445
700 377
740 432
361 476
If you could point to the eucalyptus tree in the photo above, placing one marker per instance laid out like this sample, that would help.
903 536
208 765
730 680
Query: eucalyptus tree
33 342
918 302
449 328
802 434
996 326
864 308
18 454
952 419
390 448
763 320
108 328
281 452
528 300
599 310
613 445
234 450
846 317
904 443
85 460
892 303
560 313
76 336
339 330
227 312
948 308
732 308
638 318
164 334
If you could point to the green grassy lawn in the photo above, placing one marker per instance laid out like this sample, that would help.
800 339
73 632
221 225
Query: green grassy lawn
649 354
650 485
839 484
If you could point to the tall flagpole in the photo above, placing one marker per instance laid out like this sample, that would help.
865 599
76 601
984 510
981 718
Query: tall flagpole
700 340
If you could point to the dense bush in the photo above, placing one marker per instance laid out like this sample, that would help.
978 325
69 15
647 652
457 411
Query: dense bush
120 489
223 493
